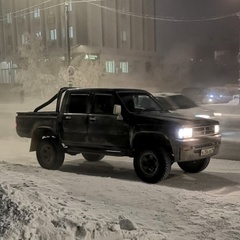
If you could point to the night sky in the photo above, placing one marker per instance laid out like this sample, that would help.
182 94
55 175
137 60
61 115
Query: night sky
220 34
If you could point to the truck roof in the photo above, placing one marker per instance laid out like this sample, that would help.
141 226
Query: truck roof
72 89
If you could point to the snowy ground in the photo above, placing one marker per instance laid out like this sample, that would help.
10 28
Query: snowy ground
106 201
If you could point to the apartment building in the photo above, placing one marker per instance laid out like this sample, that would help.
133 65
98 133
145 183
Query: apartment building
117 32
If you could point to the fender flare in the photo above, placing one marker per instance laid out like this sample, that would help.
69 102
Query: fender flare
38 134
151 139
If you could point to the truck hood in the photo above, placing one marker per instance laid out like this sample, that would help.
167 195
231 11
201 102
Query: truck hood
196 112
174 118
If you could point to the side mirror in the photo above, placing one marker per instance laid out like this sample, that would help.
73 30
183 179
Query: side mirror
117 109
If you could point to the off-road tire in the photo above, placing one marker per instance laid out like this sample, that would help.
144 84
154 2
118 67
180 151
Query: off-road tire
50 154
93 157
194 166
152 165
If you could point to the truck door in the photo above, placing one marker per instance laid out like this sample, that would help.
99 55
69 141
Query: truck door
104 129
75 120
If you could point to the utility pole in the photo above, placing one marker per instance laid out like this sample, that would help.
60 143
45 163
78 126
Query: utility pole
238 59
70 69
67 32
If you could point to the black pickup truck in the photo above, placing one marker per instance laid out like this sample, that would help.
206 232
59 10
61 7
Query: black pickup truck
118 122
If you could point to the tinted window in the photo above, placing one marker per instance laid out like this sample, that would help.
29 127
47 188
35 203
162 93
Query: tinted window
103 104
78 103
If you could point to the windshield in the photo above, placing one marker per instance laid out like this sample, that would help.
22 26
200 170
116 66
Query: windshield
166 103
182 102
139 102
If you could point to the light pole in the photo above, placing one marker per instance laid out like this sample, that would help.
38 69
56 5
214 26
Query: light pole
70 68
238 58
67 32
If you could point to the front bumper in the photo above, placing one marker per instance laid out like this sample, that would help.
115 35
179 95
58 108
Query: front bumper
196 148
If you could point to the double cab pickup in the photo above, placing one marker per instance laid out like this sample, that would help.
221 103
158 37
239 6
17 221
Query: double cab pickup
96 122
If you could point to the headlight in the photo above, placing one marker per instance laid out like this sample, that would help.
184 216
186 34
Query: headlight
216 129
202 116
185 133
217 114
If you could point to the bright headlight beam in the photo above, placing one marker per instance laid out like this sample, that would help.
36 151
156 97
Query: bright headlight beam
185 133
216 129
202 116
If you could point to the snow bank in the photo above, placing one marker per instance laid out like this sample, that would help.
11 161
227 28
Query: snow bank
40 217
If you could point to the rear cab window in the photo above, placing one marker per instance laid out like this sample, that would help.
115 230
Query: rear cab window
78 103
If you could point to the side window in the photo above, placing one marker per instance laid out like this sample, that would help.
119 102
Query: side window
78 103
103 104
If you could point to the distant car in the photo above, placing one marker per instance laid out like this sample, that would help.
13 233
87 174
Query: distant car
209 95
179 103
216 95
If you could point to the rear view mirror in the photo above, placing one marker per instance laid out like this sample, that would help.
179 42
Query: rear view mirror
117 109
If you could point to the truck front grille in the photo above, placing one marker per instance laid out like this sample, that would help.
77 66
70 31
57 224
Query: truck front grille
203 131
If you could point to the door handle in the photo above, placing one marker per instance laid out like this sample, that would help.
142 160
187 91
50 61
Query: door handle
68 117
92 119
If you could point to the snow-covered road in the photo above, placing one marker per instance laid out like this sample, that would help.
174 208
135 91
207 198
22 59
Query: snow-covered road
106 201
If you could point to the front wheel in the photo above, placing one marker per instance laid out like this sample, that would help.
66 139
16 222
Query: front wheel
194 166
93 157
50 154
152 166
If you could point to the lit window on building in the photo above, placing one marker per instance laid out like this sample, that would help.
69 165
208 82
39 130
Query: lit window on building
124 36
24 39
9 17
53 34
36 12
38 34
124 66
110 66
71 32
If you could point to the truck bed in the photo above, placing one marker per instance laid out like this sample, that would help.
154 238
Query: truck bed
28 121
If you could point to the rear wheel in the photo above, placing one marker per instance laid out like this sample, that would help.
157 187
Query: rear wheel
194 166
152 166
93 157
50 154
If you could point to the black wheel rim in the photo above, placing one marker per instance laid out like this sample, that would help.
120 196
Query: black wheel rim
47 154
149 164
